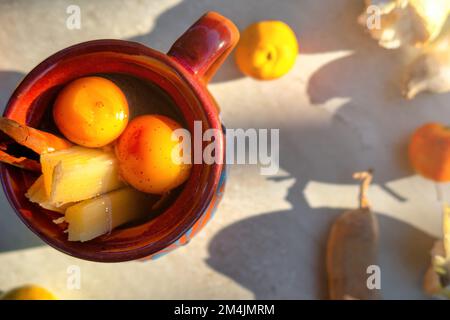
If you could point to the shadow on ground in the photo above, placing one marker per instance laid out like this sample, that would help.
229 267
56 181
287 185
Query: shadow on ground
13 233
281 254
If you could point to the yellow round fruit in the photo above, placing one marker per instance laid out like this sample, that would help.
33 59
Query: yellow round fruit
29 292
267 50
144 151
91 112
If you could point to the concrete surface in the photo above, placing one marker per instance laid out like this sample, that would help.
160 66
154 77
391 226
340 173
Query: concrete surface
338 111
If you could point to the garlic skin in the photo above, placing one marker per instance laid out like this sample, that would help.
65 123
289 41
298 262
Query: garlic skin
430 72
395 23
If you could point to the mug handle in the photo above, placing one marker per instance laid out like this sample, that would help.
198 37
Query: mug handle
205 45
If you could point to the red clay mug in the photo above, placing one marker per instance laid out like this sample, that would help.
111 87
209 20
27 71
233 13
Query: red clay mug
183 74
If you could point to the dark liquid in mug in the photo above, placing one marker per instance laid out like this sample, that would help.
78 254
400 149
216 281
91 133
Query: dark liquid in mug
145 97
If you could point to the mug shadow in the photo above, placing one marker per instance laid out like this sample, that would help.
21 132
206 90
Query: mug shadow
265 263
281 254
14 234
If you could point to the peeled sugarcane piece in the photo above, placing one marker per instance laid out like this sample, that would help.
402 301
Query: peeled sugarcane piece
95 217
437 278
78 173
36 194
430 72
74 155
352 248
395 23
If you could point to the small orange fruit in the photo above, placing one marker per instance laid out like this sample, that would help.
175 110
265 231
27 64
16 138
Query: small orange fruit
91 111
29 292
429 151
144 151
267 50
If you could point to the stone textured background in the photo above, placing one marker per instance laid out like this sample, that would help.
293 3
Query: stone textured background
338 111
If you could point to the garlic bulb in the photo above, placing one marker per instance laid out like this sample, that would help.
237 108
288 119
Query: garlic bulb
395 23
430 72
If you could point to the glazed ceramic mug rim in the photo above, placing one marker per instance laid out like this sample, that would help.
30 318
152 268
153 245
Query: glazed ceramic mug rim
207 104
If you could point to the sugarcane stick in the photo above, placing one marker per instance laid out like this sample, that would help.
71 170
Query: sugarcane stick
352 248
